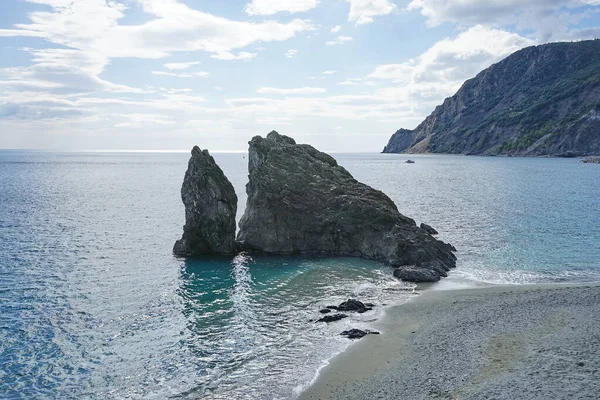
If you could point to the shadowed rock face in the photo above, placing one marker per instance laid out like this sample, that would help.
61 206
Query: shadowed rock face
300 201
210 206
539 101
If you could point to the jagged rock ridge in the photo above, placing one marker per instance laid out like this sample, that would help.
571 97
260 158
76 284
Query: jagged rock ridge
540 101
210 207
300 201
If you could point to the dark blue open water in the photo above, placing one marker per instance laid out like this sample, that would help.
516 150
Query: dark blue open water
93 304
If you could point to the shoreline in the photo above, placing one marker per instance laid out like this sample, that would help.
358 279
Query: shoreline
463 343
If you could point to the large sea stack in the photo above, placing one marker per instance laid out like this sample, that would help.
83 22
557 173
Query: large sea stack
300 201
540 101
210 206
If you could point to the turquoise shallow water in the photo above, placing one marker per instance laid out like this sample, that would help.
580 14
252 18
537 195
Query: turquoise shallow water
93 304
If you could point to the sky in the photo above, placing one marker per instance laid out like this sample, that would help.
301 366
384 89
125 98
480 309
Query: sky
342 75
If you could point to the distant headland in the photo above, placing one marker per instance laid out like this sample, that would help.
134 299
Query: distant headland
540 101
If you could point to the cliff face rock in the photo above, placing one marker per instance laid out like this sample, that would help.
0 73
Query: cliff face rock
300 201
400 141
210 207
540 101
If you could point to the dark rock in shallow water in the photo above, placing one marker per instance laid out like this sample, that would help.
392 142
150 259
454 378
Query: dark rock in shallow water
332 318
591 160
450 247
300 201
357 333
353 305
210 206
429 229
325 311
411 273
436 266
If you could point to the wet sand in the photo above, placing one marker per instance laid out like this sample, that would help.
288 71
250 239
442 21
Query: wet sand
502 342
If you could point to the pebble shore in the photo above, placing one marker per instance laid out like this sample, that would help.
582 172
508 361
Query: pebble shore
503 342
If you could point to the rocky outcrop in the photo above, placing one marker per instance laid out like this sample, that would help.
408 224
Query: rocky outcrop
400 141
210 207
540 101
300 201
332 318
357 333
411 273
429 229
354 305
591 160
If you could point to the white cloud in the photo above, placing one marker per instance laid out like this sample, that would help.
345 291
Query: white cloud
357 82
20 32
456 59
175 91
181 66
185 75
351 107
409 92
65 88
84 36
67 70
475 11
363 11
242 55
550 19
137 120
291 53
339 40
91 27
438 73
302 90
270 7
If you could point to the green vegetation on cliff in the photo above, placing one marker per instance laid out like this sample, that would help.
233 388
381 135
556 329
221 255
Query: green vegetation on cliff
540 101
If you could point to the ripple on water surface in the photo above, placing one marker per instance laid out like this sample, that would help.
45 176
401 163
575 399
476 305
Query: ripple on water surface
94 305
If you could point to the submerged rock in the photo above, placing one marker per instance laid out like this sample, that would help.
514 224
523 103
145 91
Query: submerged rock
429 229
354 305
357 333
332 318
300 201
210 206
325 311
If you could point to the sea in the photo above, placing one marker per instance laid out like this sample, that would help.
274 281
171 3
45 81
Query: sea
93 305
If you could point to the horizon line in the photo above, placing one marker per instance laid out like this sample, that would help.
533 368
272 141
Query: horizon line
175 151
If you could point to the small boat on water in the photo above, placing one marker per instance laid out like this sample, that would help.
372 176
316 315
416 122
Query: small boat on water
409 162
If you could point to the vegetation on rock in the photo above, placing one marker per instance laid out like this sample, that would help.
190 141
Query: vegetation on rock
540 101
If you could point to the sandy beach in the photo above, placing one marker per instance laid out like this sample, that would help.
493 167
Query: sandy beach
502 342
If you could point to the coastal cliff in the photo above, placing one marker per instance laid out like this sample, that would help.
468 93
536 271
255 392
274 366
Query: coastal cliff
300 201
540 101
210 207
